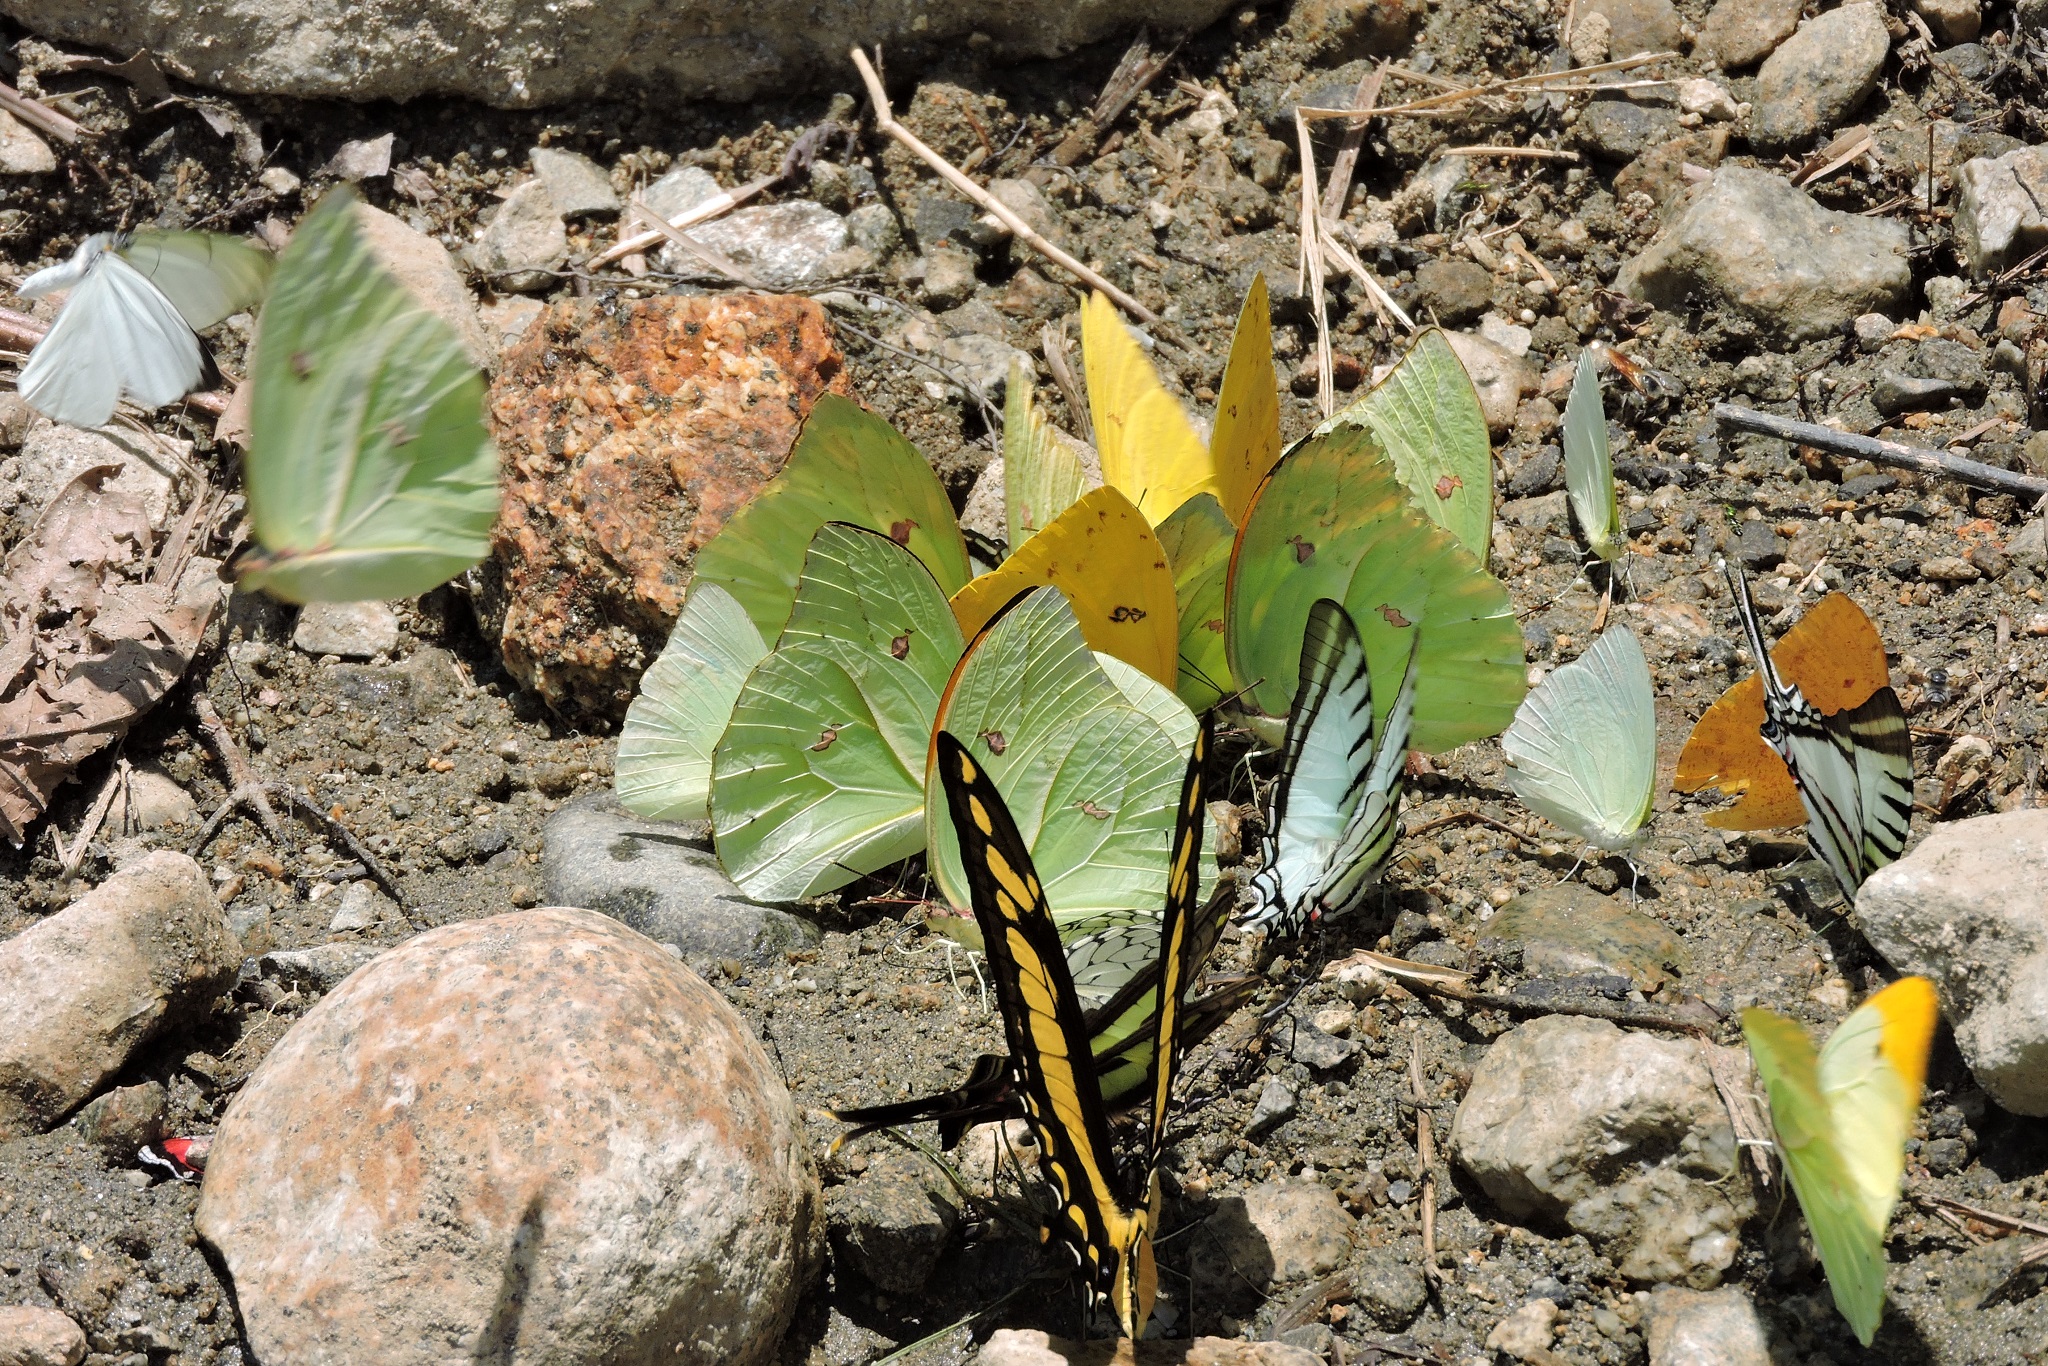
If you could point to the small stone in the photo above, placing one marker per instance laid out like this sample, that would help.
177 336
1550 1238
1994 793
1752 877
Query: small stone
21 151
352 630
1622 130
1025 199
52 455
949 279
2002 209
577 186
1541 473
519 248
32 1336
876 227
1456 291
1949 569
1769 256
1276 1232
1867 486
1971 61
361 159
361 907
1708 99
892 1222
278 180
1388 1286
507 317
149 800
1500 378
426 268
1276 1105
662 879
1740 33
680 191
1873 330
1964 908
1635 26
1592 40
121 1121
1548 514
1953 21
317 970
144 951
1819 76
1573 1124
1509 337
1569 930
782 245
1525 1334
1719 1328
982 361
1311 1046
630 1154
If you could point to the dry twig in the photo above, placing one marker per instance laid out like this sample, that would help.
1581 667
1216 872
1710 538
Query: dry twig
1431 104
1896 454
1425 1157
885 122
1311 268
718 261
1508 150
1729 1068
715 207
36 114
1341 169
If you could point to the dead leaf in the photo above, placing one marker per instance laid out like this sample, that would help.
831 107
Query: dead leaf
89 645
140 71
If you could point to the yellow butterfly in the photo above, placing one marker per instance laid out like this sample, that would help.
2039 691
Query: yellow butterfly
1842 1117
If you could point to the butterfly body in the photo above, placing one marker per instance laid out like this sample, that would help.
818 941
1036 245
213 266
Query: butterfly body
128 327
1853 769
1331 819
1107 1209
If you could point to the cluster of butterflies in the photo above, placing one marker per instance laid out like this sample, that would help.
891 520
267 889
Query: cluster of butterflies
368 470
1101 1022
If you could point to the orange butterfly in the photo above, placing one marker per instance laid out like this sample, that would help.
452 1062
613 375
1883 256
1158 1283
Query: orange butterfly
1835 657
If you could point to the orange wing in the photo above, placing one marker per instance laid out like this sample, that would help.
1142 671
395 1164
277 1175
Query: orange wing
1835 657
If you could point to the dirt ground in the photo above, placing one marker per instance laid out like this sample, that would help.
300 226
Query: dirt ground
451 770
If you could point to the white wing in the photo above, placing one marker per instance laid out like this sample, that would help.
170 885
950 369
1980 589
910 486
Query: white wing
205 275
117 333
1582 752
1588 465
68 273
1370 831
663 768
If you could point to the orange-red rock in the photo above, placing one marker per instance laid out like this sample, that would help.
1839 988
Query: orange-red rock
629 432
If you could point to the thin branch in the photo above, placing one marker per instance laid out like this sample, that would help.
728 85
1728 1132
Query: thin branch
1896 454
1341 169
1425 1156
885 122
1311 276
717 206
38 115
1490 150
1513 84
718 261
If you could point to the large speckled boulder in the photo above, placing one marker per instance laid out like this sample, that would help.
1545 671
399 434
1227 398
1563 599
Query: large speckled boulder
629 433
536 1137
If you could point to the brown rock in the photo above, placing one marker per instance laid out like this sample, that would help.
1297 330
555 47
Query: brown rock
1568 930
1636 25
537 1128
1743 32
31 1336
628 435
85 988
122 1120
1342 29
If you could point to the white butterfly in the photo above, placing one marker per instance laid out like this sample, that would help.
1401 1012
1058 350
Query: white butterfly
1588 464
1330 823
1582 752
136 301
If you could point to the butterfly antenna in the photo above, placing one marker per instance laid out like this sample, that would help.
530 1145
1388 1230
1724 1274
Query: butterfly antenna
1738 588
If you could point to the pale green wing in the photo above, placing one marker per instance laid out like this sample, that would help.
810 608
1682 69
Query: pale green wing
1427 415
1582 752
1871 1072
1106 951
1042 476
1851 1247
205 275
847 466
1197 538
819 777
1588 465
1090 775
1334 522
369 473
663 769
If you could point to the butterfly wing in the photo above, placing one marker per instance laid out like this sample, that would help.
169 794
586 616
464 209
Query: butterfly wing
1582 752
1854 770
205 275
1049 1046
117 333
1149 448
1329 729
1851 1247
1588 465
1371 829
1246 441
1872 1071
